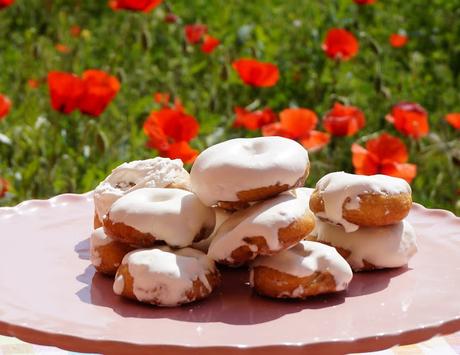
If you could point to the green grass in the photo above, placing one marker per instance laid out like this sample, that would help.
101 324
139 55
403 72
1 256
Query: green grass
52 153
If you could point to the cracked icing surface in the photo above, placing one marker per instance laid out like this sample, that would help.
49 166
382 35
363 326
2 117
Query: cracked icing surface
156 172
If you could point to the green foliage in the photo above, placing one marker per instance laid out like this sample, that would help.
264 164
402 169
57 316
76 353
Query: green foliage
51 153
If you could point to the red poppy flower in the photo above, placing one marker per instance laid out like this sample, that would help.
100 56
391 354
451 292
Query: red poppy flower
99 90
410 119
315 140
180 150
298 122
177 125
62 48
157 139
75 31
275 129
5 106
4 187
33 83
209 44
343 120
5 3
65 90
178 105
397 40
169 125
340 44
194 33
253 120
134 5
171 18
383 155
161 98
452 118
256 73
364 2
169 130
294 123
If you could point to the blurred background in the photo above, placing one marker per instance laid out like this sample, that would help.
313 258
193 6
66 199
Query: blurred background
366 86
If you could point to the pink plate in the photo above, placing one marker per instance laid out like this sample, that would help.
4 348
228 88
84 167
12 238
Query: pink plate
51 295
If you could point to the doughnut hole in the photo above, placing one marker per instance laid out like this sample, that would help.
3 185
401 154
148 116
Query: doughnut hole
374 210
256 148
273 283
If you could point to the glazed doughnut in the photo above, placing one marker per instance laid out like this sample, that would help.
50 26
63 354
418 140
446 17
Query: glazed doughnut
106 254
150 215
371 248
265 228
238 171
221 216
164 277
307 269
359 200
156 172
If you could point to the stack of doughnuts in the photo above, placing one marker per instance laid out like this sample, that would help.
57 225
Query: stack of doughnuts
259 181
363 218
145 220
161 232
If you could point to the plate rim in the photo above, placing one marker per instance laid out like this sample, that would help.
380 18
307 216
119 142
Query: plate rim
74 342
364 344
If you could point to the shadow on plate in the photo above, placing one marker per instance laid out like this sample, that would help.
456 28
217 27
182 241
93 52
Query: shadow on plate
233 303
82 249
364 283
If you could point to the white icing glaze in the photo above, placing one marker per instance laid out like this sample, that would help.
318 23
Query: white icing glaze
306 258
336 188
119 285
156 172
172 215
384 247
166 275
221 216
242 164
262 219
297 292
98 238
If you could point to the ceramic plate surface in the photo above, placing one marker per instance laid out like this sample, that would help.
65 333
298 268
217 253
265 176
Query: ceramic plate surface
50 294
